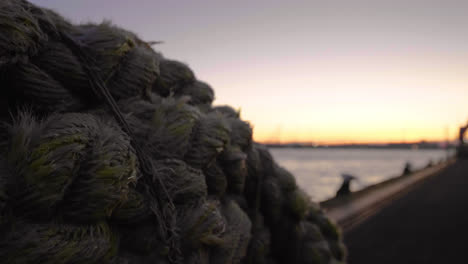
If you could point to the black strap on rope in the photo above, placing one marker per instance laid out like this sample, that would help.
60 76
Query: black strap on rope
164 210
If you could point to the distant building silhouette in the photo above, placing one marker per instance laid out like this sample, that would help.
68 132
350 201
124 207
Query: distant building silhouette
462 150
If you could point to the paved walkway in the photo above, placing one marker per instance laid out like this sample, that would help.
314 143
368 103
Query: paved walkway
350 211
427 225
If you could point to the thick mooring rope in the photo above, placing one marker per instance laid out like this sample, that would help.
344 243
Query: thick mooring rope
165 218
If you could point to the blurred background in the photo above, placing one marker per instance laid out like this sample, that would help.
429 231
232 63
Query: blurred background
358 87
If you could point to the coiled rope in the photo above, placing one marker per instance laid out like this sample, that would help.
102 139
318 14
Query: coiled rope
165 216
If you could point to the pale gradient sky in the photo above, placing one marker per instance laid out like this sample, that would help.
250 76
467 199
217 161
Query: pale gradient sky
320 71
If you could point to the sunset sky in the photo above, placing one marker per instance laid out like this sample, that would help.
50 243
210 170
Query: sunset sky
314 71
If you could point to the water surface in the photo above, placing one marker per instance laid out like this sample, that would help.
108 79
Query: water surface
318 171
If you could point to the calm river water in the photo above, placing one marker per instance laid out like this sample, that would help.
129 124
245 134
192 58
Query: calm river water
318 171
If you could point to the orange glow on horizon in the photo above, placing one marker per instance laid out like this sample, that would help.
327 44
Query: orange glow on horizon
378 100
357 137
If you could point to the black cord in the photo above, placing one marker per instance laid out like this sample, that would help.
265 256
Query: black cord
166 218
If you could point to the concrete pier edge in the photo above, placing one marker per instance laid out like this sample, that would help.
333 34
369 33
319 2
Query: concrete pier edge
348 212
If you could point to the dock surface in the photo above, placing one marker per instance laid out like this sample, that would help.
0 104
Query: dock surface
427 225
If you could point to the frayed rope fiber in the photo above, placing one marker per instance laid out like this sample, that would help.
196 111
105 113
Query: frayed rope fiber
112 153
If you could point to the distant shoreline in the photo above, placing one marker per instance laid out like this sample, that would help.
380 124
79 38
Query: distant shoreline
414 146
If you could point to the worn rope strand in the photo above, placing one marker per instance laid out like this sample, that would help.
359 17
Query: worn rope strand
98 86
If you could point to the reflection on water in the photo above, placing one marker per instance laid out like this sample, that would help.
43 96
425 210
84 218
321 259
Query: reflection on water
318 171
